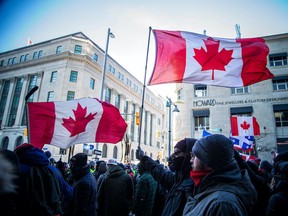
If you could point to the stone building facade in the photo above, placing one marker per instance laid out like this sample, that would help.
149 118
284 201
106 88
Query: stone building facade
67 68
209 107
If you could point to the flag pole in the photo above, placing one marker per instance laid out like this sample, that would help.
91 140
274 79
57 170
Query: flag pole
144 87
31 92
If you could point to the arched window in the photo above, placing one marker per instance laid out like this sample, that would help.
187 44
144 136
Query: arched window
115 152
19 141
5 142
104 151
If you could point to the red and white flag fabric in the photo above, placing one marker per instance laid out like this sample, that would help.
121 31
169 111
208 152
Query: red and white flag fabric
66 123
29 42
244 126
185 57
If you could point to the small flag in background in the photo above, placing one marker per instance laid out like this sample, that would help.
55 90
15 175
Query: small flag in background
185 57
205 133
29 42
244 126
65 123
244 143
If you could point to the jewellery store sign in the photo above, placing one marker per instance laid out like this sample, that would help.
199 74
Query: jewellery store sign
214 102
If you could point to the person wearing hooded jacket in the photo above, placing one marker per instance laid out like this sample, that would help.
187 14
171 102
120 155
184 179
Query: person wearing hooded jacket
221 188
178 183
115 192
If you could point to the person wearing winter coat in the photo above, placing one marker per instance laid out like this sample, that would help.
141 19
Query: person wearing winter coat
145 193
84 187
221 188
178 184
278 201
115 192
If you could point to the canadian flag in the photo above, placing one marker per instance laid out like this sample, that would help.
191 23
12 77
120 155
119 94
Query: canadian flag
66 123
29 42
244 126
185 57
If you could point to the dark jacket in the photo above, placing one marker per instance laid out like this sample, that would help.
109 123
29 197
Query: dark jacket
278 201
39 191
115 193
84 193
227 191
178 184
144 195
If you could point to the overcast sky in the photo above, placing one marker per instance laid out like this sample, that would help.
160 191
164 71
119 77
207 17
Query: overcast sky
130 20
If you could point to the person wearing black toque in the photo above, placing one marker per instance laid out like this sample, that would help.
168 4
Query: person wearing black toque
178 183
84 187
221 188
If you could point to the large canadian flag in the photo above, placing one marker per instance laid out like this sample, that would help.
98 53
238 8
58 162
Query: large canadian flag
185 57
244 126
66 123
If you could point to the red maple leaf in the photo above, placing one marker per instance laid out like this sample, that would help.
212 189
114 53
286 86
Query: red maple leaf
78 125
245 126
212 59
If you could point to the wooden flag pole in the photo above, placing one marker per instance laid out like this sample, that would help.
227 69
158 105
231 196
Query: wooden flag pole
144 87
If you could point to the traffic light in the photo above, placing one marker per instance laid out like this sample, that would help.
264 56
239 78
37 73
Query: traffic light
25 132
137 118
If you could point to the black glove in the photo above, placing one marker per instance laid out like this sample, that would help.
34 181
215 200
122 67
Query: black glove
139 153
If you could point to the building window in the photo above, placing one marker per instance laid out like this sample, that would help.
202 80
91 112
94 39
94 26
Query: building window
53 76
40 54
120 76
26 57
200 90
15 102
73 76
115 150
58 49
280 83
70 95
128 82
9 61
92 83
201 119
22 58
14 60
35 55
241 111
3 98
95 57
2 63
281 116
179 94
241 90
108 95
278 59
117 100
32 84
50 96
126 103
78 49
104 151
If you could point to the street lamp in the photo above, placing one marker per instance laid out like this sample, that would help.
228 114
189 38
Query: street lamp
110 34
169 104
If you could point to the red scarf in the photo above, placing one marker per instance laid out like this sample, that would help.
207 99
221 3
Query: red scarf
198 175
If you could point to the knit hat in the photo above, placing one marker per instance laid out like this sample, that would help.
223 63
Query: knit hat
214 150
112 161
23 147
79 160
185 145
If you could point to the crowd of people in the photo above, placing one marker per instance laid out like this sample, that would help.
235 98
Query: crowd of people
204 177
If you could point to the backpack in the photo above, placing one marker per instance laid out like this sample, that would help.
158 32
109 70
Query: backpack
43 191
